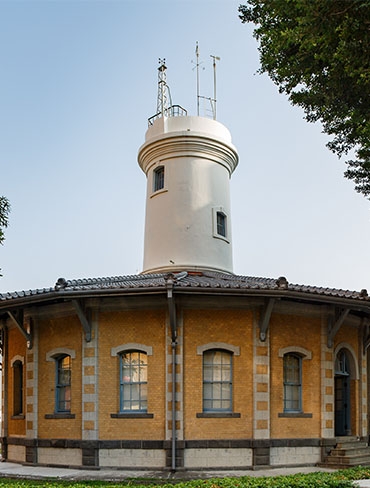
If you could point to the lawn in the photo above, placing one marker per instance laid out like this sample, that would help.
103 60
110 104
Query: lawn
336 479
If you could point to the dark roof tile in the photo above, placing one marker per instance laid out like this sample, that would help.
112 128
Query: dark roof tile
206 279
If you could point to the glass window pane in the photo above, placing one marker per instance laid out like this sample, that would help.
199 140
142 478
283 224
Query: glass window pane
207 391
144 392
207 372
226 373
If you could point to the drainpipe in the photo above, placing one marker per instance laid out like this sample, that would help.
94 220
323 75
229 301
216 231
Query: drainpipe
171 279
5 388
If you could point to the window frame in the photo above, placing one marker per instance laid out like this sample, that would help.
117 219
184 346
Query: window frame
292 386
220 230
158 178
63 389
18 388
130 385
221 383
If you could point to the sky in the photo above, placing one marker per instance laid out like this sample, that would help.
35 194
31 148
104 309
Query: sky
78 83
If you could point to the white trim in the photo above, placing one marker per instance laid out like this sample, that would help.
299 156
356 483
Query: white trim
215 211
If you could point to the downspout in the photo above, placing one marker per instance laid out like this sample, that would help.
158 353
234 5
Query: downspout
170 278
5 388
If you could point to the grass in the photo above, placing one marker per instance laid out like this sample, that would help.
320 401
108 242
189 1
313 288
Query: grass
336 479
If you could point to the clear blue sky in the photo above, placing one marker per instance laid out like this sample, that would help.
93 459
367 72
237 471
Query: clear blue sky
78 82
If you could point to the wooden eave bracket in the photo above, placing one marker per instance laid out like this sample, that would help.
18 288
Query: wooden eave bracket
265 318
84 319
366 335
335 323
17 318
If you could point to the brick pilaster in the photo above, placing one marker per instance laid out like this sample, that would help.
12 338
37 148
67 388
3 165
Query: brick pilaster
261 384
90 374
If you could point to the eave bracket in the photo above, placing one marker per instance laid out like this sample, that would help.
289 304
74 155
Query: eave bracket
265 318
335 323
366 336
23 325
84 318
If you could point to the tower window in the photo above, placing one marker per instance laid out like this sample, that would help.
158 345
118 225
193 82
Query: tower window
221 224
158 182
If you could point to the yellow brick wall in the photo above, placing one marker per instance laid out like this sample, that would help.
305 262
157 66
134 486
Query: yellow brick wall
233 327
55 333
16 347
115 329
305 332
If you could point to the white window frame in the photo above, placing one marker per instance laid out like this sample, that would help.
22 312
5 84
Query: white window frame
215 212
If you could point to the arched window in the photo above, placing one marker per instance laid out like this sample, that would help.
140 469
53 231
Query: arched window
158 181
217 381
17 388
292 382
63 383
133 382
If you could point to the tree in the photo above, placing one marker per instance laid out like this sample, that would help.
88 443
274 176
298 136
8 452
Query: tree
4 214
318 53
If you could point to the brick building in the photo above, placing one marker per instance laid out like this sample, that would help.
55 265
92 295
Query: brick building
187 365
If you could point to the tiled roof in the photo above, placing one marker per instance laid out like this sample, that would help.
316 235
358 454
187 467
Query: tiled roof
181 281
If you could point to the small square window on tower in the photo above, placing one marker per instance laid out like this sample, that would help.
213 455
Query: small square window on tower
158 178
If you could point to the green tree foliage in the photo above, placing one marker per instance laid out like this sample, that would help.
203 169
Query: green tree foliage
318 53
4 215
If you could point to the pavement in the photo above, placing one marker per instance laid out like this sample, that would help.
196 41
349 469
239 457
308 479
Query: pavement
14 470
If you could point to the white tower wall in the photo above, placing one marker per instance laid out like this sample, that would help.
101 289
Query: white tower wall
181 230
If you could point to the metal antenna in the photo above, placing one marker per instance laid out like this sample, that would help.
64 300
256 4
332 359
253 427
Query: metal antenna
164 96
197 64
214 100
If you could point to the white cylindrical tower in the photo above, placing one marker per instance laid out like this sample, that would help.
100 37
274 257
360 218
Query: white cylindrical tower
188 162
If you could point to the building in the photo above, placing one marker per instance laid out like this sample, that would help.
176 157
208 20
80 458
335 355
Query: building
186 365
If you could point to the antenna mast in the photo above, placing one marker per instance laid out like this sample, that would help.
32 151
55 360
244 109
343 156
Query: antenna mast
197 65
214 100
211 100
164 96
